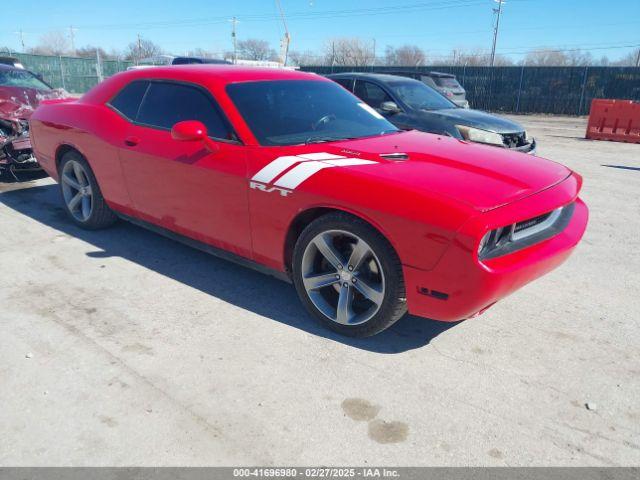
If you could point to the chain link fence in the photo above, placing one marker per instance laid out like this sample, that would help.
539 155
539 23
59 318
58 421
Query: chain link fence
76 75
554 90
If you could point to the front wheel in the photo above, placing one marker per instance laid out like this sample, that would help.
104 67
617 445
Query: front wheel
348 276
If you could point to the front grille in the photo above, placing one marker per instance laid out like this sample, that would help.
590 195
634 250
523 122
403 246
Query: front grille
514 140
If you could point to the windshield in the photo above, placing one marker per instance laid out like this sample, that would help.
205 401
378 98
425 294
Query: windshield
291 112
447 82
420 97
21 79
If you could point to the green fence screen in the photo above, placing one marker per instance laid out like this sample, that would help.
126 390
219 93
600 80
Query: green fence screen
76 75
556 90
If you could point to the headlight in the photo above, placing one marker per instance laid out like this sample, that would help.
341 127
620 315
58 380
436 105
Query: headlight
480 136
483 243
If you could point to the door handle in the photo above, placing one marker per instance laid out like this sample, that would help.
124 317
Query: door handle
131 141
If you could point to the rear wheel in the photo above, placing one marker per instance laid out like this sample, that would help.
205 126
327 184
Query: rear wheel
82 197
348 275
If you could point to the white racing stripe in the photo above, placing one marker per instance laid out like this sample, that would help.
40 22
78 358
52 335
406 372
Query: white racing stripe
303 171
300 173
347 162
306 165
275 168
320 156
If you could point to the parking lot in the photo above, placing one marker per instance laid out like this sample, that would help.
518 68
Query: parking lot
121 347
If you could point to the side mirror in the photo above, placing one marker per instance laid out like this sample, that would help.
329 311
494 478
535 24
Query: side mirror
390 107
189 131
193 131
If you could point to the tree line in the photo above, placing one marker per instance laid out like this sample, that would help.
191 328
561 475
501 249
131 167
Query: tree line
343 51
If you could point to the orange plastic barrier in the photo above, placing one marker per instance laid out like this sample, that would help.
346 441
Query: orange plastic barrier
615 120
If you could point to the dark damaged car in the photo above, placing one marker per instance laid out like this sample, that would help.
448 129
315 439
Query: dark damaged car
20 93
410 104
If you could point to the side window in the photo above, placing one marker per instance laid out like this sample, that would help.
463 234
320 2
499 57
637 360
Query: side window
429 81
371 94
127 101
166 104
345 82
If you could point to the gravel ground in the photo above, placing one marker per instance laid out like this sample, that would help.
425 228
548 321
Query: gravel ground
121 347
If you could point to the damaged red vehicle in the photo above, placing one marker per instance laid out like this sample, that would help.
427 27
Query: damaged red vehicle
20 93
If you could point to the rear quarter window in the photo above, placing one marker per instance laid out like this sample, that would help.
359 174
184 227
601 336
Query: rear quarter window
128 100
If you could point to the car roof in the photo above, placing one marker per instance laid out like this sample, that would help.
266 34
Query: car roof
203 60
441 74
5 66
380 77
222 73
212 76
393 73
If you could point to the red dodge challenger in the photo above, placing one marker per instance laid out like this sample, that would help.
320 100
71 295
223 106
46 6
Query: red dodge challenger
290 173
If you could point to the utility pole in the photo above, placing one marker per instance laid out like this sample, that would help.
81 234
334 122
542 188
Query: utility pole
234 21
21 33
99 66
637 58
139 54
72 36
286 39
373 63
498 12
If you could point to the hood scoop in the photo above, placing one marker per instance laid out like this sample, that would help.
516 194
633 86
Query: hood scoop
395 156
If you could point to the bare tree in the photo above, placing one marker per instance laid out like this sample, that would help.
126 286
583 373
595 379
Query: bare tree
473 58
557 58
253 49
143 48
90 51
306 58
629 60
353 52
201 53
406 56
51 43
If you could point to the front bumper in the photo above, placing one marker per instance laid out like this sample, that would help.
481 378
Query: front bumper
530 148
17 155
461 286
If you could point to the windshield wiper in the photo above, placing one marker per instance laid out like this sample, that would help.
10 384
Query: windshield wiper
311 140
326 139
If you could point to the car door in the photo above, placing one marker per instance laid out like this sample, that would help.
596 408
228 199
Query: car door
182 186
345 82
374 96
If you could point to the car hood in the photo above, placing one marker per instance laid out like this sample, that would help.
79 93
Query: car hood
479 176
476 119
19 102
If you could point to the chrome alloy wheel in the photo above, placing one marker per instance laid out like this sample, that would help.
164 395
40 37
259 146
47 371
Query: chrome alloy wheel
76 190
343 277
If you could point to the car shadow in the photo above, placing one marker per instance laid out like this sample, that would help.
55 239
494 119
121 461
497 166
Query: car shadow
240 286
21 180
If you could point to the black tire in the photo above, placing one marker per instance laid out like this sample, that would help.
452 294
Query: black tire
101 215
394 304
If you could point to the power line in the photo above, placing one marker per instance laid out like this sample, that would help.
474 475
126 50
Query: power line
407 8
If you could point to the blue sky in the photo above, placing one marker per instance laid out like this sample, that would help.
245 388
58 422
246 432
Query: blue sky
438 26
